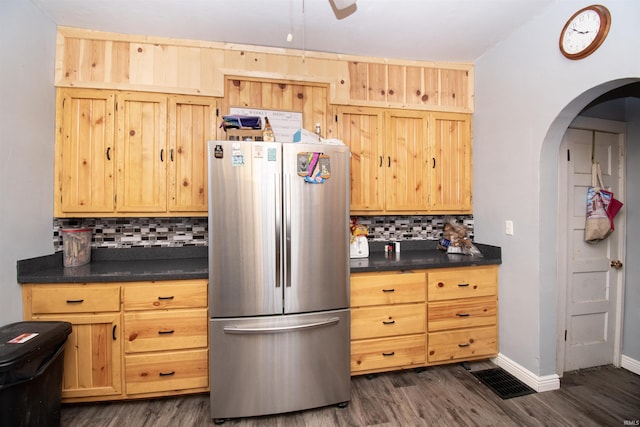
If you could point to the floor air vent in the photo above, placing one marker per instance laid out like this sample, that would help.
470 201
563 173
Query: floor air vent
503 383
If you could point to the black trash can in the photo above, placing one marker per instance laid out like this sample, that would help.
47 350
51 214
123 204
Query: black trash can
31 363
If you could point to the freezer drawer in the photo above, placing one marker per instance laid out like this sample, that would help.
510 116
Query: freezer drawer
269 365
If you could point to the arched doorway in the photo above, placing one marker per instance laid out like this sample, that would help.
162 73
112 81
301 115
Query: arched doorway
552 273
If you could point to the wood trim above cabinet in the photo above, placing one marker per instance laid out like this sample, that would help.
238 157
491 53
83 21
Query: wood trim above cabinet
100 60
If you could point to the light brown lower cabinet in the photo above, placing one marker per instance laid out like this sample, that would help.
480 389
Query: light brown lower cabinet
129 339
402 320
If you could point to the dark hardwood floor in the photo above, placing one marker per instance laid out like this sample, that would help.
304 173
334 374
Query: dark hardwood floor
437 396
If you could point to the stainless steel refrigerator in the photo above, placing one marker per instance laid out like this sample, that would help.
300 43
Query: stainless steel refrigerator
278 277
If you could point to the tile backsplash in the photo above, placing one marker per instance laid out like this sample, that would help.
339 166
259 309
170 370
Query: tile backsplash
412 227
178 232
137 232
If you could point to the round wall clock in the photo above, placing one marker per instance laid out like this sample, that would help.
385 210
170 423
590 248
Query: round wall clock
585 31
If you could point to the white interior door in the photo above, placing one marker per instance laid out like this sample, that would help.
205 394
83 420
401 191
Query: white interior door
592 285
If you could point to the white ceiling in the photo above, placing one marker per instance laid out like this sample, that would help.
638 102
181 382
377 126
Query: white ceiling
431 30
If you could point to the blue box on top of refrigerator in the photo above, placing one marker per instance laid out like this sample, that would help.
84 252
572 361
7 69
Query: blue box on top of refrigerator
278 277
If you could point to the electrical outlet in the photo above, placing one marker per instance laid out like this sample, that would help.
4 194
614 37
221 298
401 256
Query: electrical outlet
508 227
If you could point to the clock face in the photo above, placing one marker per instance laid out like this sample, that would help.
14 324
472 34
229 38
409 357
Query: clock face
584 32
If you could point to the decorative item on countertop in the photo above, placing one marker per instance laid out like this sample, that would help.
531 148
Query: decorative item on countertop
76 246
359 245
455 240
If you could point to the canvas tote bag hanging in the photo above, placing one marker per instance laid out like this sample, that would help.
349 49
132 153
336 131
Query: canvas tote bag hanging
598 224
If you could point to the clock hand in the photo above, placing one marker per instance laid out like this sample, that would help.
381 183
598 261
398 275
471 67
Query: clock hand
580 32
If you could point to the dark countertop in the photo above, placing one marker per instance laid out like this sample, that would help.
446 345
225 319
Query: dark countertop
150 264
119 265
419 255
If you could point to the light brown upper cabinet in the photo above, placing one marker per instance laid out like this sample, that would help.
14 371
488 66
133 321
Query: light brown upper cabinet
451 165
407 162
141 148
361 128
131 153
85 152
192 121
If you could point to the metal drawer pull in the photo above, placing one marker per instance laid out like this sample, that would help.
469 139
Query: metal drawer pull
463 314
464 345
74 301
388 290
113 332
463 285
166 298
166 332
388 354
168 374
388 322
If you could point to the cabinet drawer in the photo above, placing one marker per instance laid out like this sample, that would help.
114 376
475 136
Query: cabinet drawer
165 330
380 288
154 295
180 370
74 299
464 314
387 320
462 344
464 282
387 353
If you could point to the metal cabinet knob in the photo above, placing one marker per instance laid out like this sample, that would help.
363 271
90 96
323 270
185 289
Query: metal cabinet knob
617 264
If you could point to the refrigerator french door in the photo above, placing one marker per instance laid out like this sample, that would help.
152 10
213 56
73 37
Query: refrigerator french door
278 277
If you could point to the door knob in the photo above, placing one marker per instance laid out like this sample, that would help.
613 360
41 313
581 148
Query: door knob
617 264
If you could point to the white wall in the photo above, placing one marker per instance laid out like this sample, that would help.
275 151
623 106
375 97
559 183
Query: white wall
526 94
631 332
27 115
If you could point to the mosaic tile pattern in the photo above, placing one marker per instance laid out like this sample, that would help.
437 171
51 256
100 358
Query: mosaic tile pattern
178 232
417 227
137 232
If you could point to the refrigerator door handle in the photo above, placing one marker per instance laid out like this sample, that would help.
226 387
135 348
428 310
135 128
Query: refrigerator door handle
280 329
278 225
287 237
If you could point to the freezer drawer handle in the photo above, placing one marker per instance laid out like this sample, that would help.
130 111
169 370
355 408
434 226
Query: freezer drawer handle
278 330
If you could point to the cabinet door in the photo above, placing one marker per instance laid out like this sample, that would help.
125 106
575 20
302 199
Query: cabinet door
92 356
192 121
361 129
406 162
85 161
451 162
142 153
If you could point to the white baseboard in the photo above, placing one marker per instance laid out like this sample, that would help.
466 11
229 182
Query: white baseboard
538 383
630 364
